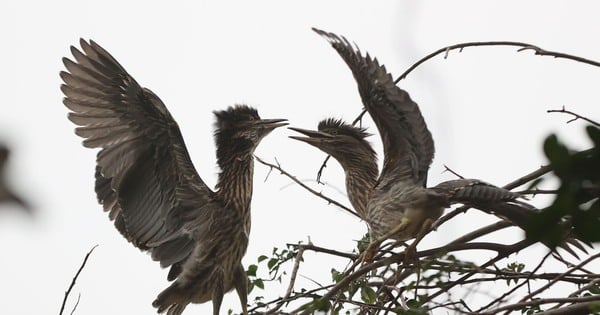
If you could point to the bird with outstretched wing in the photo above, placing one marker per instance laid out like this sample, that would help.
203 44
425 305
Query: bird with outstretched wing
147 183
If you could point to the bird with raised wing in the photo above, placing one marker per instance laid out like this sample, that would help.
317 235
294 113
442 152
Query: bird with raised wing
147 183
348 145
400 206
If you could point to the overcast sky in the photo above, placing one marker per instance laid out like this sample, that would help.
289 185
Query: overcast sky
486 109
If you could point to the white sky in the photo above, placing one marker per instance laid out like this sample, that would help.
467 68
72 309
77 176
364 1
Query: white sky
485 108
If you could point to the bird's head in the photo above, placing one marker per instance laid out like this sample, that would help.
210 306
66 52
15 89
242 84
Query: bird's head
240 128
338 139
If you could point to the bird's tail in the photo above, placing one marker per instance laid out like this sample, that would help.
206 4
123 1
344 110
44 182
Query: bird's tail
472 191
502 203
519 214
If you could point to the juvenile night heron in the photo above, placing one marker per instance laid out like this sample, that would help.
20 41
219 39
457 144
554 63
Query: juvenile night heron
399 205
146 181
349 146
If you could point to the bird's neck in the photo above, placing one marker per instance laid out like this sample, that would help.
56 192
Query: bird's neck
360 181
234 186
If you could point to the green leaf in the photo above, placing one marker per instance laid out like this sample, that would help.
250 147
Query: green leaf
272 262
317 305
336 276
250 286
251 272
367 294
261 258
259 283
595 289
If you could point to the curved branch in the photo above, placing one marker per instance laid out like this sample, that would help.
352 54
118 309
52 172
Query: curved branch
576 116
523 46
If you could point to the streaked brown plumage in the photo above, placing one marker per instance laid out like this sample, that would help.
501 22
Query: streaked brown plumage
146 181
400 204
6 193
348 145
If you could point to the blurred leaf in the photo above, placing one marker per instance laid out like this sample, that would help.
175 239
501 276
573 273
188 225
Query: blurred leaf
336 276
579 175
261 258
595 289
250 286
259 283
367 294
320 305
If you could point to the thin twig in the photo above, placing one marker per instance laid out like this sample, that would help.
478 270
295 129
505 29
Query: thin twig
576 116
76 303
314 192
574 309
558 278
290 288
324 250
538 192
584 288
522 305
323 166
448 169
481 232
515 288
509 250
524 46
62 307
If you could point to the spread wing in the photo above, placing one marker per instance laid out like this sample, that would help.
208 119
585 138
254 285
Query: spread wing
144 176
407 143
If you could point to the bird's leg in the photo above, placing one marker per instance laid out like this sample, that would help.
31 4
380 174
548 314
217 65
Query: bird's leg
370 252
217 294
411 251
240 281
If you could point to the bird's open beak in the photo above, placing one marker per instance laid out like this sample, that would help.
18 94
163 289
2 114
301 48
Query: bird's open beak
272 123
311 135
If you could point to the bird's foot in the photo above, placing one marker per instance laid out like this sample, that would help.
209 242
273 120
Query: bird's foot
410 254
369 253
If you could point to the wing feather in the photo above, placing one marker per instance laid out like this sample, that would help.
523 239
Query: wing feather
407 143
144 173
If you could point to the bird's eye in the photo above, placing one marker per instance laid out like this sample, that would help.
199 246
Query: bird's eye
333 132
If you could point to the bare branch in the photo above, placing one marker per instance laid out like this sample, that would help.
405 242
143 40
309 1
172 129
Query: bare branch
314 192
509 250
574 309
448 169
521 305
576 116
62 307
558 278
323 166
524 46
290 288
324 250
515 288
76 304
